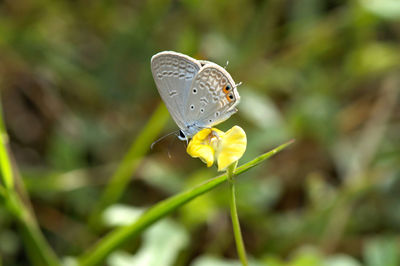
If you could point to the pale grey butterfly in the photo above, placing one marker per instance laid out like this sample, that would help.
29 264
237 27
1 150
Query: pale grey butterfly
198 94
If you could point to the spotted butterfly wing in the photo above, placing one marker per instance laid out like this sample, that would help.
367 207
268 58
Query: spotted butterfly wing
173 74
212 98
197 93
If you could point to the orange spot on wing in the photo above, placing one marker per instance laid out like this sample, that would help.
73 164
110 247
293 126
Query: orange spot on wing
224 89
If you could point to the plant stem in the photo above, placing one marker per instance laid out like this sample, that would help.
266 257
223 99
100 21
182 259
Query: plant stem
38 249
121 235
5 165
234 216
129 163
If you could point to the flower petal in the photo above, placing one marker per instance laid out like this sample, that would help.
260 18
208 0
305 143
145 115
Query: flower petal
198 147
201 136
232 147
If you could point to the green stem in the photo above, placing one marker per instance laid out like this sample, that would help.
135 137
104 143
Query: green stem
38 249
129 163
5 165
234 216
121 235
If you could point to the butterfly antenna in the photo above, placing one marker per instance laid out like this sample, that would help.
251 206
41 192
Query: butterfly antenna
163 137
237 85
227 63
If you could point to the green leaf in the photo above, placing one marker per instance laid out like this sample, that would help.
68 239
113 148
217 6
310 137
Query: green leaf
119 215
120 235
389 9
341 260
161 246
208 260
382 252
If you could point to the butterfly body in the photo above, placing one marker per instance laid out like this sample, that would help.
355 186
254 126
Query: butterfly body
198 94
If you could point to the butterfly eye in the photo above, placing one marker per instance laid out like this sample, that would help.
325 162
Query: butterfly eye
181 135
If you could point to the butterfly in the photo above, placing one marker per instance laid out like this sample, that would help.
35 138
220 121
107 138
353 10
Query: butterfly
198 94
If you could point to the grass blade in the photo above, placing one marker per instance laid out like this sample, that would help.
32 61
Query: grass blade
122 234
131 160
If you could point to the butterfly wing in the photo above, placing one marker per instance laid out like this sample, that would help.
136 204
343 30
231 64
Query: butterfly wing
212 97
173 74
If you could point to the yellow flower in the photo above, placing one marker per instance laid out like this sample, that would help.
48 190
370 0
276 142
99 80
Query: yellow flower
211 144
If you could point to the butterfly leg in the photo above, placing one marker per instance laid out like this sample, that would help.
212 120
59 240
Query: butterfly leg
215 134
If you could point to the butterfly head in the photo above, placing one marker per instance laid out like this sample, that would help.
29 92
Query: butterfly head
189 131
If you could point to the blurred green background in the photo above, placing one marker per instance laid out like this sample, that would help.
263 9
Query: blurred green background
77 90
